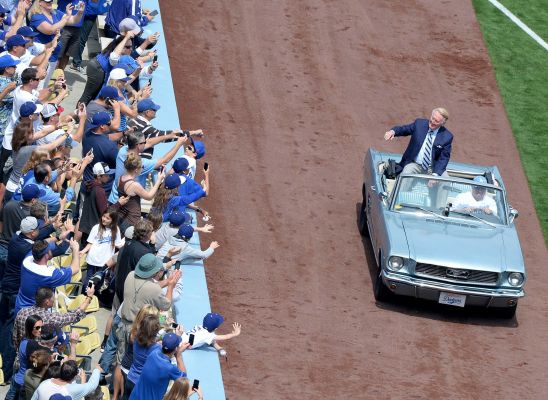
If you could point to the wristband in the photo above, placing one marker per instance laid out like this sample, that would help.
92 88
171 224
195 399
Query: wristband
166 259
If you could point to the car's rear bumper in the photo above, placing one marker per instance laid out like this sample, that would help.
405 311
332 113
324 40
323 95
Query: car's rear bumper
475 296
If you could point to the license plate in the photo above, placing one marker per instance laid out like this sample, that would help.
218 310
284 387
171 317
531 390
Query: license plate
452 299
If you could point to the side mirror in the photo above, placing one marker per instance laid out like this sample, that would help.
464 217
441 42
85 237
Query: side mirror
383 196
513 214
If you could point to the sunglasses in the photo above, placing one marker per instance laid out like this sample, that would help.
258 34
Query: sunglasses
128 47
38 328
142 143
34 79
190 148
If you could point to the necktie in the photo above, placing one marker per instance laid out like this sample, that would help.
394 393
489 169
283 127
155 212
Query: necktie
427 158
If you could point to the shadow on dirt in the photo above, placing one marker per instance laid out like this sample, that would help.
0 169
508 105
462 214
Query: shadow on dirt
428 309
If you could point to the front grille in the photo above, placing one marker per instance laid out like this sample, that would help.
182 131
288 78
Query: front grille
457 275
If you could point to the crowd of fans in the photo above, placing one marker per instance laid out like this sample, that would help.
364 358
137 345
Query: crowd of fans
116 212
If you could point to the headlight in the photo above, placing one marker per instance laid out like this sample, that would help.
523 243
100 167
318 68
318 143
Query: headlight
395 263
515 278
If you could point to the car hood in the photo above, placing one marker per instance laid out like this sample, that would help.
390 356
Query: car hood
454 243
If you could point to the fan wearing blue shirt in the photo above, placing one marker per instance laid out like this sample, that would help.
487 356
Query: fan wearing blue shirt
158 369
121 9
36 272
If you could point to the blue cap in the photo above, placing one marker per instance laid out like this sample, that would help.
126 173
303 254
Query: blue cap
8 61
212 321
480 179
178 217
128 61
58 396
4 10
147 104
109 92
180 165
172 181
26 31
27 109
16 40
32 191
171 341
186 231
101 118
200 149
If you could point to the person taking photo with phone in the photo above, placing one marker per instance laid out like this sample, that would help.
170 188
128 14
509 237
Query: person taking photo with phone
183 390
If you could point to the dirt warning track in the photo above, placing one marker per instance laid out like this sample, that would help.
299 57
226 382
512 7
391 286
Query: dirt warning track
291 94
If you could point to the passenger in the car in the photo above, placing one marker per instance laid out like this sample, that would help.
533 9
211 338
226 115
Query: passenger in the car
475 200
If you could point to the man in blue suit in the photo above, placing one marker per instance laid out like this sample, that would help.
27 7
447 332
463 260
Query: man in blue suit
429 149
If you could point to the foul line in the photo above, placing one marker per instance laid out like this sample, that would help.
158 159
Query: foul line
519 23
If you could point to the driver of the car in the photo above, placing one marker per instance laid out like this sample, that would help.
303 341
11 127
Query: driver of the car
476 200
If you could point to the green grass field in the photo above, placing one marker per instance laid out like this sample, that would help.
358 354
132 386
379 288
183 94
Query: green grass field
521 69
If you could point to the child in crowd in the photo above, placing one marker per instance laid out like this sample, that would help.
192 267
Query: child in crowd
205 334
103 240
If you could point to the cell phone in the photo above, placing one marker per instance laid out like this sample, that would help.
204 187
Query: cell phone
150 82
191 339
91 151
155 58
90 284
59 357
65 216
178 265
206 166
174 325
195 384
153 13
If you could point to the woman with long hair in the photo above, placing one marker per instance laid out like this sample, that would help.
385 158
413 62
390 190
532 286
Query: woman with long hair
23 137
47 21
128 185
168 197
103 240
144 342
39 361
181 390
121 371
33 328
119 79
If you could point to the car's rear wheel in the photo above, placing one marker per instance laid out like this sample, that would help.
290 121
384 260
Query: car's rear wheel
508 312
381 292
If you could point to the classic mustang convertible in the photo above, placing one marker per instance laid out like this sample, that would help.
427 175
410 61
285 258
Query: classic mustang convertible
447 239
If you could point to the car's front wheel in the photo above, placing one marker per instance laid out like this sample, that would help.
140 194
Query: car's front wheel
508 312
381 292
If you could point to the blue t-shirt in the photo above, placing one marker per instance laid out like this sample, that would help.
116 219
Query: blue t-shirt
35 22
157 372
140 355
62 5
190 187
148 167
35 276
104 150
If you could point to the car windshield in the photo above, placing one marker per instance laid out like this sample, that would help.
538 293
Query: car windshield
445 198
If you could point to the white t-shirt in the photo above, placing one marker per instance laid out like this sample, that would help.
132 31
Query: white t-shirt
47 389
466 200
201 336
101 249
191 167
20 97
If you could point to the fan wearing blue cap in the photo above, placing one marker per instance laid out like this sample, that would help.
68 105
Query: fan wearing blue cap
188 252
205 334
476 200
8 66
170 228
189 187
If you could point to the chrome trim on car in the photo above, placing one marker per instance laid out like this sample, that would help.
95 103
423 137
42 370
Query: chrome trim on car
457 274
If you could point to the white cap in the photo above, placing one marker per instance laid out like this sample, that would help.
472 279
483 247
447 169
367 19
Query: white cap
49 110
102 168
118 74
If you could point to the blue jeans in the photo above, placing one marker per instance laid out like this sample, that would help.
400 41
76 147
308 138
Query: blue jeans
14 392
108 358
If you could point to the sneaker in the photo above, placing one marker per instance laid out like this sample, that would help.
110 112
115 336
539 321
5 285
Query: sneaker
78 69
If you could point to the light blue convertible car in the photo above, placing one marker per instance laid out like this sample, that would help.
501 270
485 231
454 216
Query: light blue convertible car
450 240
